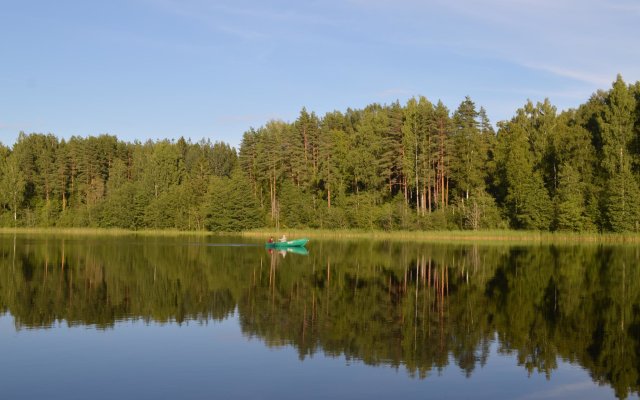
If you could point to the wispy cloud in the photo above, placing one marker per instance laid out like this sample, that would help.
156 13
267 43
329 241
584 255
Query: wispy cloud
252 21
133 38
577 75
579 94
569 39
286 15
630 6
210 15
560 34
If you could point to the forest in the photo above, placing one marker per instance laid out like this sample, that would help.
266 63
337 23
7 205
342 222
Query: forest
417 166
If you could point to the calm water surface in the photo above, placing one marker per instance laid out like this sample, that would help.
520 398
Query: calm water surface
193 318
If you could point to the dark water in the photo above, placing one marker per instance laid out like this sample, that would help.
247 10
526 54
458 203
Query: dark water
149 318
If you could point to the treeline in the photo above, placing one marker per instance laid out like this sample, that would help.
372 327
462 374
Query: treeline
101 181
412 166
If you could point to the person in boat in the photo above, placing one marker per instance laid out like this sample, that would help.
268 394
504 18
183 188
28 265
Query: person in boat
283 238
271 239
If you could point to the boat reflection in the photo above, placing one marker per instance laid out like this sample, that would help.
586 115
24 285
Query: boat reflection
283 251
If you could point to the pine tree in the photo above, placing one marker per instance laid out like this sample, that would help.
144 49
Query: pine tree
617 128
617 131
12 185
417 131
572 162
366 164
469 150
410 152
332 153
526 198
228 208
622 203
305 148
441 151
570 208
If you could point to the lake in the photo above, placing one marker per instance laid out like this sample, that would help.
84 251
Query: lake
139 317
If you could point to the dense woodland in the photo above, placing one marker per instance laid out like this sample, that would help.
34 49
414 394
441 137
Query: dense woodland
412 166
417 307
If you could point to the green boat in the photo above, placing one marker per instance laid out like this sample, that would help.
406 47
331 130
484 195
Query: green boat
288 243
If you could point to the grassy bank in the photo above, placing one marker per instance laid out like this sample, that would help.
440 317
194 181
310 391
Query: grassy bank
101 232
455 236
426 236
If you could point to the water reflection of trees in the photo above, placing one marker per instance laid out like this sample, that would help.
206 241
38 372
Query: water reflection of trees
419 307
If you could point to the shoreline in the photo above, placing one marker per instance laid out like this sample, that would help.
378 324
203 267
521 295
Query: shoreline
499 236
495 236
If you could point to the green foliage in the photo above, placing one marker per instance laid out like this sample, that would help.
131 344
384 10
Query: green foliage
12 185
296 207
120 209
332 218
229 208
389 167
479 211
363 210
621 203
470 149
526 198
570 204
616 125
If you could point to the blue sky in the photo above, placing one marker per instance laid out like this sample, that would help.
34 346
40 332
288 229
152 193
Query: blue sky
154 69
